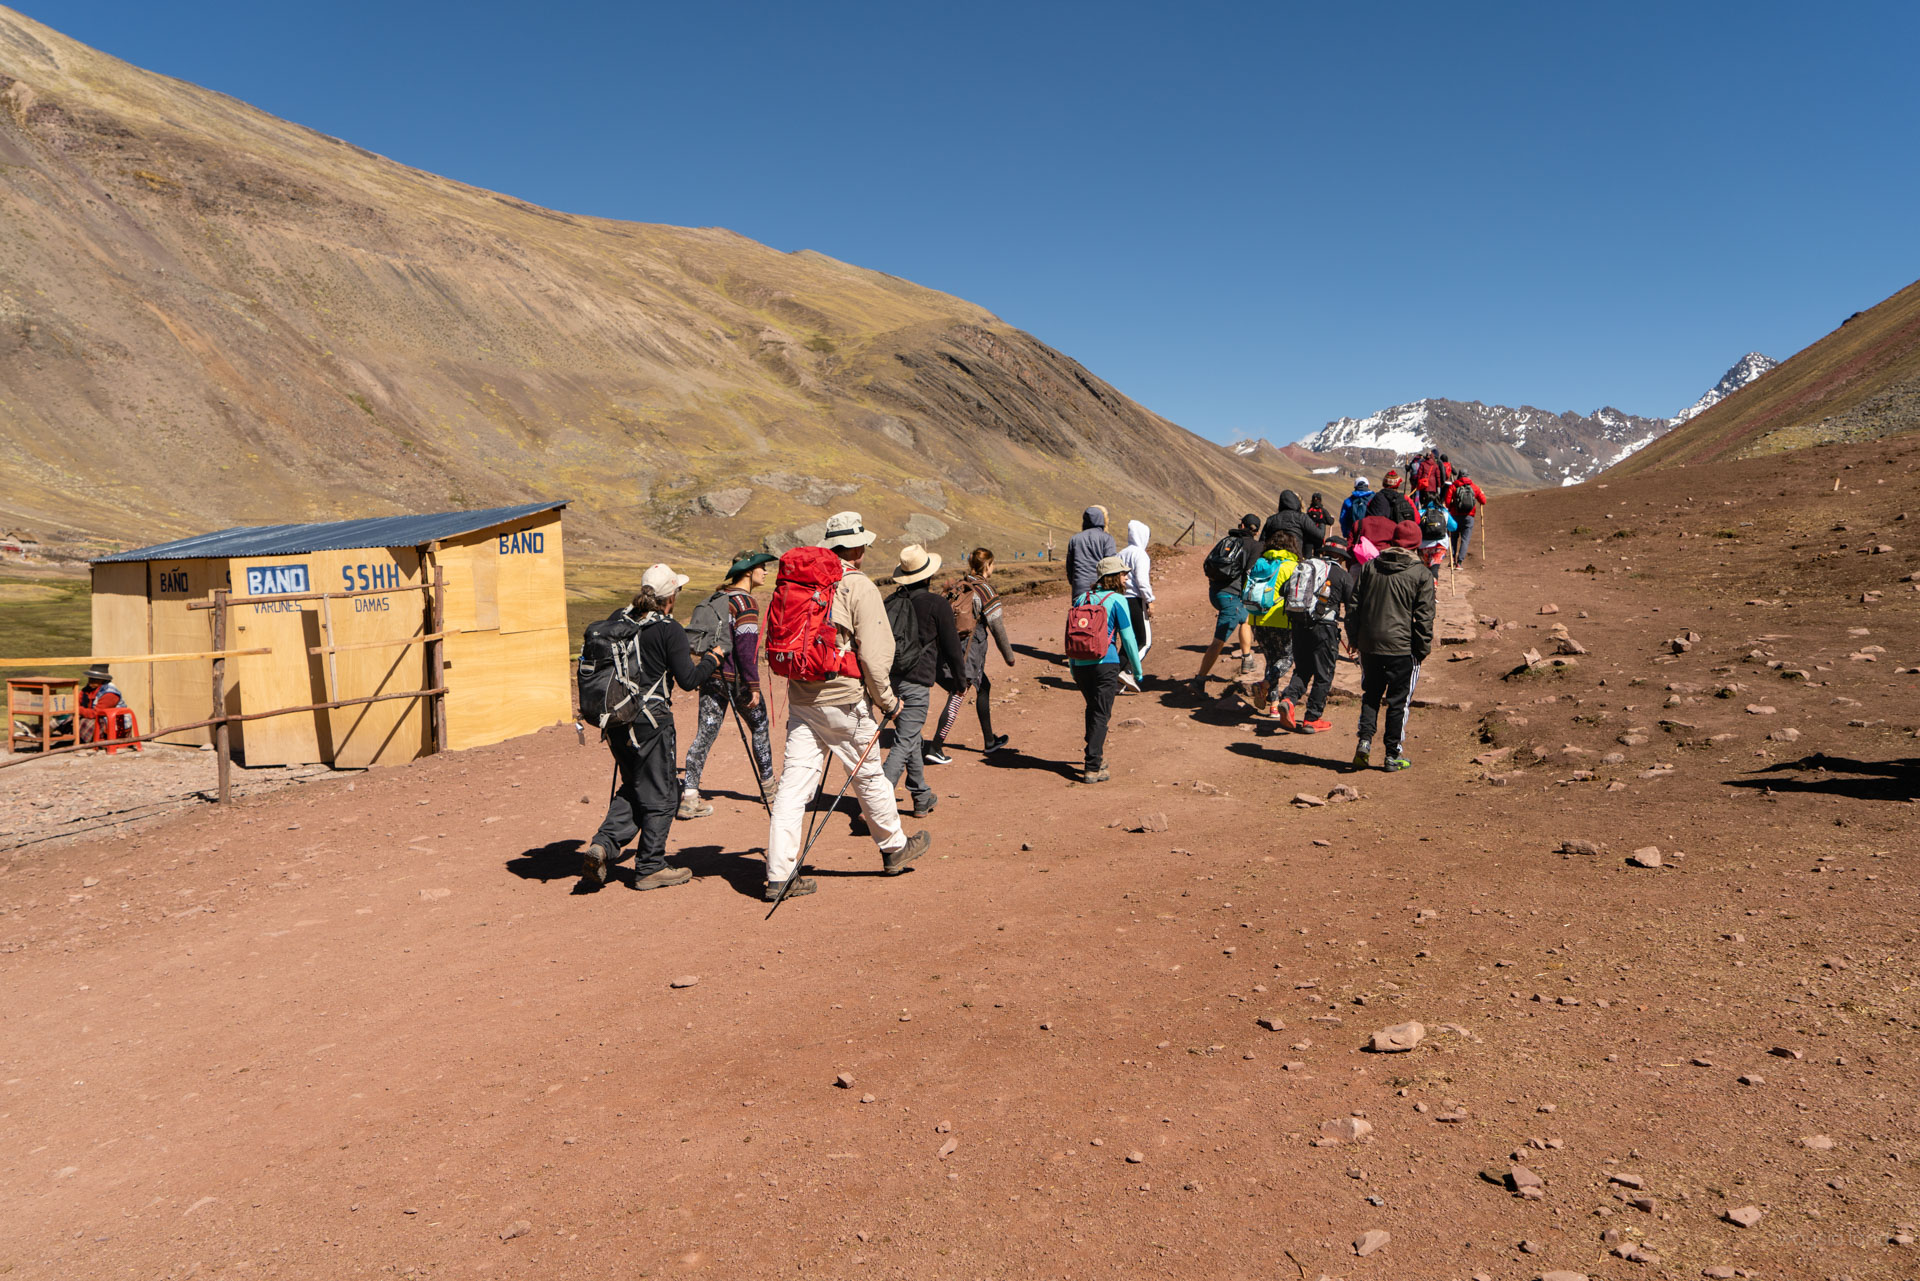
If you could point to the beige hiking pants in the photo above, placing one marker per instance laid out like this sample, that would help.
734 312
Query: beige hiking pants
813 732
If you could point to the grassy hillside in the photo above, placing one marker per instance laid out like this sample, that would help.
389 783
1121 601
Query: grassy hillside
216 317
1861 380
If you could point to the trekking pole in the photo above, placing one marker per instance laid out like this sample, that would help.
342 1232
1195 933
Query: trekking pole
801 861
753 762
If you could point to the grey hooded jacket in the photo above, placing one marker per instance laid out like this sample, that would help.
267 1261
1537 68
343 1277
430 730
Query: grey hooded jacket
1085 549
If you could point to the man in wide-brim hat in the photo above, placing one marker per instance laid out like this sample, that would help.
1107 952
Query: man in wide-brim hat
915 674
836 716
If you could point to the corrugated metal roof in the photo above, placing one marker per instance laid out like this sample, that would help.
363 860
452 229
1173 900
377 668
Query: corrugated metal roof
328 536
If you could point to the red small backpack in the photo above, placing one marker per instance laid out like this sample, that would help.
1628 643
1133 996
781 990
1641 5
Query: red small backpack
1089 631
802 642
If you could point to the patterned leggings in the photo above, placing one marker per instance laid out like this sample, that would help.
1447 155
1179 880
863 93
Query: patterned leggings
979 691
713 715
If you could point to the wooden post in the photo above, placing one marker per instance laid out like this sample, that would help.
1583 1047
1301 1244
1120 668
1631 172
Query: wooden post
333 664
437 654
222 748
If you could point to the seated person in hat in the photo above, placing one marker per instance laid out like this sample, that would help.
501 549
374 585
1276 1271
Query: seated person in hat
101 694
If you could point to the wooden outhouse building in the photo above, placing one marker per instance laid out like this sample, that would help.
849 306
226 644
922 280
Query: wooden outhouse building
350 614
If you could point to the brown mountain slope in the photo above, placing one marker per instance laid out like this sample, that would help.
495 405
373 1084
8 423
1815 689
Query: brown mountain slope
1860 381
210 316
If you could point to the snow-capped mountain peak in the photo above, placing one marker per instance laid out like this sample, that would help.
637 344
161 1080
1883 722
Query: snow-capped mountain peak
1744 371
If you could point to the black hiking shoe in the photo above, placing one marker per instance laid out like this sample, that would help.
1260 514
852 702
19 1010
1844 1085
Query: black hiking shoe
802 886
916 845
994 744
936 756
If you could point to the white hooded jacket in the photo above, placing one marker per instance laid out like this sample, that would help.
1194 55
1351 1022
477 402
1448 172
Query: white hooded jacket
1139 564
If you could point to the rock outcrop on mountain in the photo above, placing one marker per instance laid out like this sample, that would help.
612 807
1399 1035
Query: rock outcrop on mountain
210 316
1523 448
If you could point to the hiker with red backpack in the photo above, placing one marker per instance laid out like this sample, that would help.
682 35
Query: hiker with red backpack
827 633
1319 589
977 619
1464 501
1100 643
925 648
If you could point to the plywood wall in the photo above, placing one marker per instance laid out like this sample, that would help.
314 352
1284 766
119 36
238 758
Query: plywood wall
397 730
516 680
120 627
182 692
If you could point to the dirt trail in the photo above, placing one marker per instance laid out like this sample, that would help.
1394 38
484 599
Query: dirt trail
369 1025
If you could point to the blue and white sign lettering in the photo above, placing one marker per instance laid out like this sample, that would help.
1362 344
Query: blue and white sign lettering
273 580
528 542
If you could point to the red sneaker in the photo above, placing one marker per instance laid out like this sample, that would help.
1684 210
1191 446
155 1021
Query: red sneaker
1315 727
1287 720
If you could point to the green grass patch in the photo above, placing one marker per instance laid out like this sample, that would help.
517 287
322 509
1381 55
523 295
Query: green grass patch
45 617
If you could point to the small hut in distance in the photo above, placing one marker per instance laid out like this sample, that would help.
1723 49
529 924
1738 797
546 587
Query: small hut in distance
503 617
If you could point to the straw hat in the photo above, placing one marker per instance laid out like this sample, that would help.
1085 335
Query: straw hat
917 564
844 529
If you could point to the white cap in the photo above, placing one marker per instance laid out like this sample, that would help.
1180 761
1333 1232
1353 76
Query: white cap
662 581
844 529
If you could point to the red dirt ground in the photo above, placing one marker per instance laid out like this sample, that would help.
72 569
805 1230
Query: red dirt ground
369 1025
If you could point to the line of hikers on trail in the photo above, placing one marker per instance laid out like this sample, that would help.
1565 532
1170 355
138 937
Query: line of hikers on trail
855 662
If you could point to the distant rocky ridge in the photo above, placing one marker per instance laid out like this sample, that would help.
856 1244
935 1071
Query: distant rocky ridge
210 316
1523 448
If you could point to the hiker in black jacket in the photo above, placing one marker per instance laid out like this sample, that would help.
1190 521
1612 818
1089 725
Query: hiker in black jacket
1292 516
940 662
1390 502
649 790
1391 624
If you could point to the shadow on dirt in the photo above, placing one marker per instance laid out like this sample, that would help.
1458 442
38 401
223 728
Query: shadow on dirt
1207 709
1894 780
745 871
1275 755
1014 758
554 861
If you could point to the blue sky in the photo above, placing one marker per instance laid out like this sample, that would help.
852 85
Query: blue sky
1250 217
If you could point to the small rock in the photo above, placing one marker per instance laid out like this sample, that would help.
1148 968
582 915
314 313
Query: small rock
1745 1216
1343 792
1627 1180
1787 735
866 1098
1155 822
1759 709
431 896
1549 609
945 1127
1778 1051
1561 1274
1579 847
1645 856
1272 1022
518 1228
1347 1129
89 883
685 980
1521 1177
1399 1038
844 1080
1530 1247
1752 1078
1816 1142
948 1148
1371 1241
1719 1272
1307 800
1136 1157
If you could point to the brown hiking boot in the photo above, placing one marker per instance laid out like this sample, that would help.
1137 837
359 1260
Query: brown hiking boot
691 806
802 886
661 879
1099 774
594 862
916 845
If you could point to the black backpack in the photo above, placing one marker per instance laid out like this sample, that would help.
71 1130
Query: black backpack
608 675
1433 525
909 646
1227 562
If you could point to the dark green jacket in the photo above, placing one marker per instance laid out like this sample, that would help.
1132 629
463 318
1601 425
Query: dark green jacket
1392 611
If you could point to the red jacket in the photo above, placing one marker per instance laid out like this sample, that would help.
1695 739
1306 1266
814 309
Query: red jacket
1468 482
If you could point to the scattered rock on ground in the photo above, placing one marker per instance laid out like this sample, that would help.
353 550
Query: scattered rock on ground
1399 1038
1371 1241
1347 1129
1646 856
1745 1216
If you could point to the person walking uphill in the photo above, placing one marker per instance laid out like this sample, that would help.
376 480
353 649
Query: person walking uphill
1139 589
1086 549
1326 587
1354 509
1100 644
1266 596
737 683
1226 569
642 738
1464 500
1291 516
914 674
827 633
1391 625
1388 501
977 618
